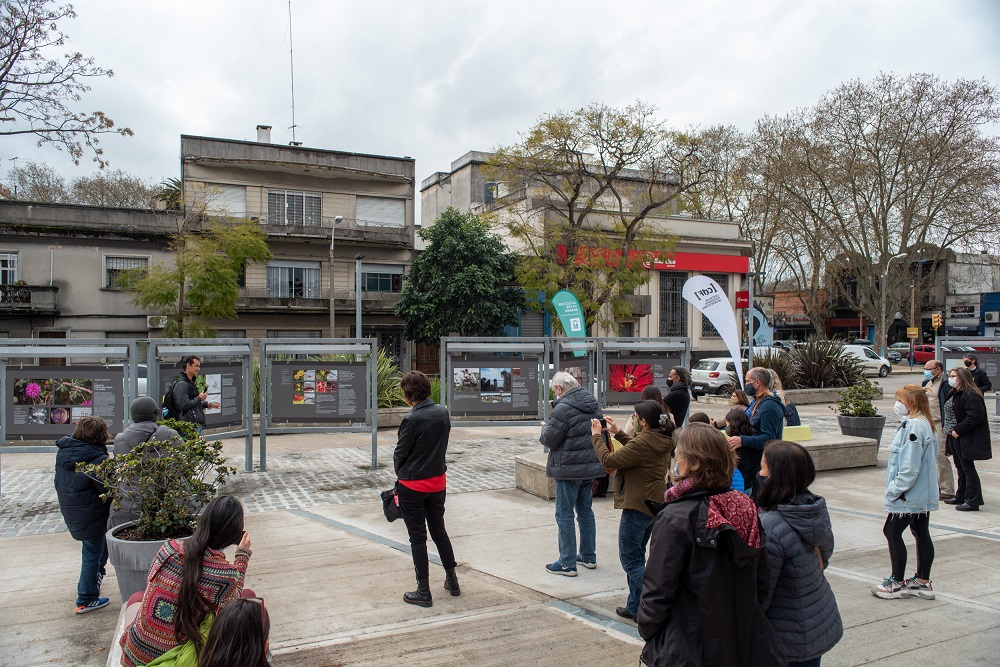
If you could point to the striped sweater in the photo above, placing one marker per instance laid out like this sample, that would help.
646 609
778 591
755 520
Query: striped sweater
152 632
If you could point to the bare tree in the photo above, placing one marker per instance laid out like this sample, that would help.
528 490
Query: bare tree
34 181
39 89
585 184
117 189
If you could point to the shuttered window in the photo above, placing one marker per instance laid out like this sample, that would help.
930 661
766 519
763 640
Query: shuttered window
285 207
532 323
221 199
673 307
381 211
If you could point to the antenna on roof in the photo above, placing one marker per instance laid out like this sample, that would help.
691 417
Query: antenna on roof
291 61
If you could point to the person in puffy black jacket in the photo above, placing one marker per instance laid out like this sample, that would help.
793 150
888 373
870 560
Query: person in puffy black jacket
800 605
86 515
419 461
574 465
969 440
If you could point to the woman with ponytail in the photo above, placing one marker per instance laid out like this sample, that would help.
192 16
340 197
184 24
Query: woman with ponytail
641 466
189 581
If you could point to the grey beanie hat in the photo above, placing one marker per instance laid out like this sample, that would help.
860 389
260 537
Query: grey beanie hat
145 409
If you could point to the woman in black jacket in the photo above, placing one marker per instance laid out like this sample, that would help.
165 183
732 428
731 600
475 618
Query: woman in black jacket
969 440
707 572
422 442
86 515
678 398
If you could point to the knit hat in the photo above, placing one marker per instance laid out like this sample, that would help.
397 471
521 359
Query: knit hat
144 409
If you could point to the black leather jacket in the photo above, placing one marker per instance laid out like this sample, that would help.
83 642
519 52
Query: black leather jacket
191 408
422 442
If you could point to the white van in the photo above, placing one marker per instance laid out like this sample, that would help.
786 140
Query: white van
870 359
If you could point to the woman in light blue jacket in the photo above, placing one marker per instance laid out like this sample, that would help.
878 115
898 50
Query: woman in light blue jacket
911 493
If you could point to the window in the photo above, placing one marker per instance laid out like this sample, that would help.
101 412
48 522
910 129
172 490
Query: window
292 333
673 307
8 268
296 280
489 191
626 329
116 266
381 211
294 208
382 282
708 329
231 333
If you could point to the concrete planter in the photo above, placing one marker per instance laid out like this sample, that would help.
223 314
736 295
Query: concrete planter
862 427
131 561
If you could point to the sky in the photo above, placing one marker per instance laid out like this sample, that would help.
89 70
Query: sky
433 80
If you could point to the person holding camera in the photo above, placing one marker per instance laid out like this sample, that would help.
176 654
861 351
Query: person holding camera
641 466
189 402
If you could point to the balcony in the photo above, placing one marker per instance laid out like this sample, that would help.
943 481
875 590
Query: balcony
347 229
260 301
28 300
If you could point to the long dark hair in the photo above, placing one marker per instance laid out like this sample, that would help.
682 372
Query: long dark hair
238 636
791 472
655 415
737 422
220 526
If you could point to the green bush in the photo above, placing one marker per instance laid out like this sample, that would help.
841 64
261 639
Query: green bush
857 400
820 363
779 362
167 484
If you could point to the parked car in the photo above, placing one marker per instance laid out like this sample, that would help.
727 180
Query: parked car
922 353
870 359
713 375
894 356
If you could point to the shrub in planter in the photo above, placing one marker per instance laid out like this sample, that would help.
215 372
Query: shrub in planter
856 411
821 363
779 362
167 485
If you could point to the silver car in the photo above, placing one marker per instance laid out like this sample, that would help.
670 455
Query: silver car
713 375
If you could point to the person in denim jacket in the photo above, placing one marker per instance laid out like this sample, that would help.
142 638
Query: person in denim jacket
911 493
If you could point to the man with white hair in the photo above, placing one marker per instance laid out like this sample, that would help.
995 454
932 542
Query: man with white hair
574 465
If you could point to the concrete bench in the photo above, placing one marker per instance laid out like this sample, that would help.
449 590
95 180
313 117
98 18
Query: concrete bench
833 451
125 618
529 475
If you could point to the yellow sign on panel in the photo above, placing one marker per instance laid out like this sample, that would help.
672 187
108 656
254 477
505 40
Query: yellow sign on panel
911 332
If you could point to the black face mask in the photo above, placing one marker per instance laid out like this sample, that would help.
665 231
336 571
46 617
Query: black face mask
749 390
670 382
760 480
968 364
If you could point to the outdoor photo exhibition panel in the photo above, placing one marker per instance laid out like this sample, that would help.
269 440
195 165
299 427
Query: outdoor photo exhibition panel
44 402
496 378
987 353
578 357
226 370
307 381
629 365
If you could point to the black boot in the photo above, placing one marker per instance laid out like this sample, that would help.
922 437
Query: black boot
451 582
420 597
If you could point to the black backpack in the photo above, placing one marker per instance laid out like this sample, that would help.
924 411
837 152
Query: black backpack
170 410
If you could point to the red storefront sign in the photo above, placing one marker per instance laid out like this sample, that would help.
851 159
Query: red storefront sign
743 298
678 261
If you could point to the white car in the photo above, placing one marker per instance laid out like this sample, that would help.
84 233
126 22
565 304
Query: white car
869 359
713 375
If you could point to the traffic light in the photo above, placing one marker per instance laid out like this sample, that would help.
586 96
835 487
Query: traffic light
936 321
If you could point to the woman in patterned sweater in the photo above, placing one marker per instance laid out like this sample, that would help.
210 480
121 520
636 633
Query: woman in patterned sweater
183 589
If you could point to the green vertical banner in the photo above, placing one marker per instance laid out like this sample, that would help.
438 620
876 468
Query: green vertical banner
567 307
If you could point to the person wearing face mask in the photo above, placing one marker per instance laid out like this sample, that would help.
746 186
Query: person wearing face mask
936 385
979 376
678 398
911 494
767 418
190 404
640 467
968 438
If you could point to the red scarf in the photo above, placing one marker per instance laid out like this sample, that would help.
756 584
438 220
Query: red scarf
730 508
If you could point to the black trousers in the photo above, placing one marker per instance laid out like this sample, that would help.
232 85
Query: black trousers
422 512
969 489
919 525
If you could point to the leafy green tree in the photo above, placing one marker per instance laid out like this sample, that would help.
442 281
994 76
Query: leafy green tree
39 89
200 282
461 283
582 187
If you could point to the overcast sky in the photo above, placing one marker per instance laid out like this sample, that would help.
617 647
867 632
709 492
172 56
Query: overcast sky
435 79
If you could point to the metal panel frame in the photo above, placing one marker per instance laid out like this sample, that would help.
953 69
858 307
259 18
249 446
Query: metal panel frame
530 346
970 342
666 344
362 347
209 348
589 345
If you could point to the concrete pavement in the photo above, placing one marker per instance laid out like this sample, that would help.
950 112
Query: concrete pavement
332 570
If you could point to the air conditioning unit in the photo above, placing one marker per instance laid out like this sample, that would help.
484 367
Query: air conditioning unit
991 317
156 321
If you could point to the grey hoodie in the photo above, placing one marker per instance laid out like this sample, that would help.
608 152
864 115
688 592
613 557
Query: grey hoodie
801 606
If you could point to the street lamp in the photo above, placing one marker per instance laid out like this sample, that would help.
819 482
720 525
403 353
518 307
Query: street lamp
884 289
357 292
333 233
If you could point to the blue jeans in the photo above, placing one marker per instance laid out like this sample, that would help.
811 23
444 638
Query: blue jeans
633 536
575 494
95 557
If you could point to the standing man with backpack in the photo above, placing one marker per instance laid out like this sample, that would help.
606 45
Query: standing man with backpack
184 402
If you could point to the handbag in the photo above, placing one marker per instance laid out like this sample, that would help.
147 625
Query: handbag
390 504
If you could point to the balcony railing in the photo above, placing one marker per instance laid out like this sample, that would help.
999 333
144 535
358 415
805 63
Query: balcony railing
29 299
316 301
347 229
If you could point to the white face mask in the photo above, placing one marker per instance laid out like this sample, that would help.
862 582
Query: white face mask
900 409
953 382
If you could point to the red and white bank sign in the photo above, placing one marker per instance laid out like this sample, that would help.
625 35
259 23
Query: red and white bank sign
678 261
